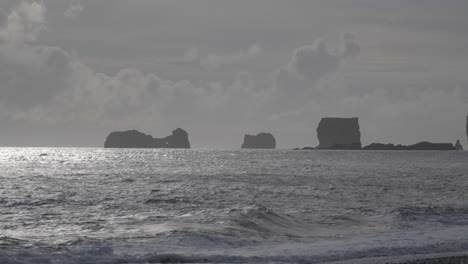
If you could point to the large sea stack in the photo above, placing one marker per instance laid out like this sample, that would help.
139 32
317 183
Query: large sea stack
136 139
339 133
260 141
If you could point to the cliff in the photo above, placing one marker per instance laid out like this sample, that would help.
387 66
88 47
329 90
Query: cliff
260 141
419 146
339 133
136 139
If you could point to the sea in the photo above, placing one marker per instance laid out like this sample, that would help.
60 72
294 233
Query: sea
93 205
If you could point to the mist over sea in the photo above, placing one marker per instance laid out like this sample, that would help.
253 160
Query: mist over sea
76 205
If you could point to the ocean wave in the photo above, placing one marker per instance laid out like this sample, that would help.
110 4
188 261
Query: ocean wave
258 219
416 215
35 202
105 254
228 227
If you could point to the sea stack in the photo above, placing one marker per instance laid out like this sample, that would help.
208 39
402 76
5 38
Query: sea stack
136 139
260 141
339 133
458 145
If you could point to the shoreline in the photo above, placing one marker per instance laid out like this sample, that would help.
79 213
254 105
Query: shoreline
432 258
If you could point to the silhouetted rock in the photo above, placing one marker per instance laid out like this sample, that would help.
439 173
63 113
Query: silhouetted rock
260 141
458 145
178 139
339 133
419 146
136 139
305 148
380 146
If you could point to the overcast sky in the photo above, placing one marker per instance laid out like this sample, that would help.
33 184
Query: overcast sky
73 71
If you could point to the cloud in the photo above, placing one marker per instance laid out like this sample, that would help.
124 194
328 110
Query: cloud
315 62
215 61
24 23
351 47
74 9
3 18
45 83
298 83
29 75
49 83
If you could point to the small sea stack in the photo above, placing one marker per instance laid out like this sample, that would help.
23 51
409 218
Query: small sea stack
260 141
458 145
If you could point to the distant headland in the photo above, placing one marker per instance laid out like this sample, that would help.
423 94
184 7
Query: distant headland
260 141
418 146
136 139
345 134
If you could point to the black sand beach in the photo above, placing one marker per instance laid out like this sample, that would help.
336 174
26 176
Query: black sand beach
443 258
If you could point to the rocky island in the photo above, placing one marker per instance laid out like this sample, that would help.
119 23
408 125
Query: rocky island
136 139
339 133
260 141
418 146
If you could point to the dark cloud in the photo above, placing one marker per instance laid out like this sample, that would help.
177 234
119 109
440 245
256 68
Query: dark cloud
351 47
3 18
314 62
298 84
31 76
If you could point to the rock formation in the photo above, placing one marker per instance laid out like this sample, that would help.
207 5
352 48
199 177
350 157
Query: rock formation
304 148
458 145
260 141
339 133
380 146
136 139
419 146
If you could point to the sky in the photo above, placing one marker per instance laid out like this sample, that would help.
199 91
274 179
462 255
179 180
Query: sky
72 71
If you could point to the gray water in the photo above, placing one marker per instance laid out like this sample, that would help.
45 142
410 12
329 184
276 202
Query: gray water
219 206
